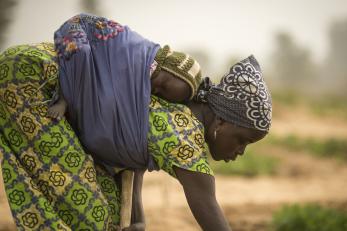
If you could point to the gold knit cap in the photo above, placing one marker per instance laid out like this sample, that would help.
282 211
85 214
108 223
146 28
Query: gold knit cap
179 64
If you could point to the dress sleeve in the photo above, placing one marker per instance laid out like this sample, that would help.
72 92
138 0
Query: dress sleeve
176 138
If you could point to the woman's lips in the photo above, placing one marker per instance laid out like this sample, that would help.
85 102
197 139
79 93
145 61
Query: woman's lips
232 157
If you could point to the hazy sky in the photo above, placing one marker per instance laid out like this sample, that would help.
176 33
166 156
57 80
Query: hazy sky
220 27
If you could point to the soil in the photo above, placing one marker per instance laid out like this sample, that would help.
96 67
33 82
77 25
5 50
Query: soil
249 203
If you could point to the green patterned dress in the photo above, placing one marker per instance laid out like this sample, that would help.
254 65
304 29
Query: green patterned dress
176 137
50 182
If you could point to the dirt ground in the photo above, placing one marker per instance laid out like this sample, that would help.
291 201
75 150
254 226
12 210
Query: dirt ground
248 203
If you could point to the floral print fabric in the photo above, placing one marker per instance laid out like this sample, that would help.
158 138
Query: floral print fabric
176 138
80 28
50 182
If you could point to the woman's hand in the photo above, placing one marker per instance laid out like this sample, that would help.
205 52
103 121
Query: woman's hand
135 227
199 189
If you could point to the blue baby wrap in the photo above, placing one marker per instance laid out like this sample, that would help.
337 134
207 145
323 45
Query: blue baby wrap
104 77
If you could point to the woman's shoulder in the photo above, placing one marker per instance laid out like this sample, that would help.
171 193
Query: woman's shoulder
173 118
179 111
176 137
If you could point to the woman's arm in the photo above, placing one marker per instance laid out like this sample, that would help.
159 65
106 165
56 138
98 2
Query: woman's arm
199 189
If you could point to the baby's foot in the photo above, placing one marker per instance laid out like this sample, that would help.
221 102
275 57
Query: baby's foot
57 110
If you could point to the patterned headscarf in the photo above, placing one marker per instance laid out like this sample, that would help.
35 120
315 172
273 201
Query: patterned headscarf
241 97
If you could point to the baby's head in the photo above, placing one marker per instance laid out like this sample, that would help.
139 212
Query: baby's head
181 73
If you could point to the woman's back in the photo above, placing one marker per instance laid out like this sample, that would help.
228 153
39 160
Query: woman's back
104 77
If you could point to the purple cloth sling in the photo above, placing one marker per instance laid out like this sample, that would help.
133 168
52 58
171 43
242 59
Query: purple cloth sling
104 77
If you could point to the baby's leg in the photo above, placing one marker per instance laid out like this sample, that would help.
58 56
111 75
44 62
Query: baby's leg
58 109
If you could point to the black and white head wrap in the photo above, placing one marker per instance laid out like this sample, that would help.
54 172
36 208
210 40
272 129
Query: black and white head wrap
241 97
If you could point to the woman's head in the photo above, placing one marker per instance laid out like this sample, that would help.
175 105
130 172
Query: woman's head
226 141
242 107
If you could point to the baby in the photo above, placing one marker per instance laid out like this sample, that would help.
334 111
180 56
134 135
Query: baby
175 77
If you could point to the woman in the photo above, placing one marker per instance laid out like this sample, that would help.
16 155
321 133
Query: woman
52 183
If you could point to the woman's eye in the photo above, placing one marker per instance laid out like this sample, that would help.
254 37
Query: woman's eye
244 142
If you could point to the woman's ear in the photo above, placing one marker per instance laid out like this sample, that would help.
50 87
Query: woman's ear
219 122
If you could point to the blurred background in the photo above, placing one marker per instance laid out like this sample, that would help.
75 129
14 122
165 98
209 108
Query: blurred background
294 179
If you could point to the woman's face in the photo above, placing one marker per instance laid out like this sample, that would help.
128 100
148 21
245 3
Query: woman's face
230 140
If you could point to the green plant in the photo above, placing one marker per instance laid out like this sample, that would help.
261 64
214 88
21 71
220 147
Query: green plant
325 106
311 217
249 164
331 147
329 106
289 98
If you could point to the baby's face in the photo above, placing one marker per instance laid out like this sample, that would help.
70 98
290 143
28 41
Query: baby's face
169 87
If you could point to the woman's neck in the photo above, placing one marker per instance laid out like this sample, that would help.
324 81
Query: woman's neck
202 112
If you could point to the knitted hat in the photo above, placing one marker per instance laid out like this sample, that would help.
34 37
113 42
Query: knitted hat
179 64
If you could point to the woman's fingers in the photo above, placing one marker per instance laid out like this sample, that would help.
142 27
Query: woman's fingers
135 227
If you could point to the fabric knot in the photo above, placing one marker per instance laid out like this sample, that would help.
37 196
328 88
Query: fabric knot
203 90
